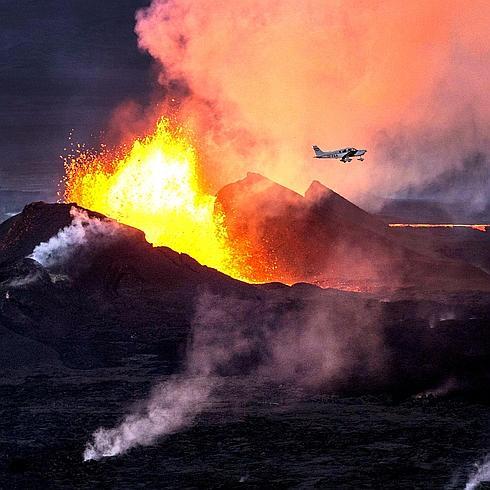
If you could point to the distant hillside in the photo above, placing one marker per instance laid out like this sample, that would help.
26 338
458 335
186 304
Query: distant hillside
325 239
427 211
12 202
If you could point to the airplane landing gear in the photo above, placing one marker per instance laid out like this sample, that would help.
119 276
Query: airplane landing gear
361 159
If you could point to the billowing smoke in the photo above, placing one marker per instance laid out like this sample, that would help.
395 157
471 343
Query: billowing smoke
68 242
303 347
171 407
259 83
482 474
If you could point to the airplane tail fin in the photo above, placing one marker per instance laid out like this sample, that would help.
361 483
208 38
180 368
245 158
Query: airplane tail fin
317 150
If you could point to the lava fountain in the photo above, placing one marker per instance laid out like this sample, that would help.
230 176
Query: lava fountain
154 186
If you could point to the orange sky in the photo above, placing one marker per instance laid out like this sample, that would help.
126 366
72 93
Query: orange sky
406 80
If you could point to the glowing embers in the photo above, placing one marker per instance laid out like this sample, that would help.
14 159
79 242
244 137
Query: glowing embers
154 186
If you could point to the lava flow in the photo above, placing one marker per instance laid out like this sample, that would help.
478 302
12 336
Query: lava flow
439 225
154 186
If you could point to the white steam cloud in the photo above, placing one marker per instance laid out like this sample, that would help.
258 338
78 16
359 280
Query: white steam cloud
482 474
68 241
171 407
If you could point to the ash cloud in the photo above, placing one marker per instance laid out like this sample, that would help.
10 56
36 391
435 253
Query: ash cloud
306 346
468 183
449 163
264 83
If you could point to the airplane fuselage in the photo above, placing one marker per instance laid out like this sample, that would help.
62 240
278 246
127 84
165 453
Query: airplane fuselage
345 155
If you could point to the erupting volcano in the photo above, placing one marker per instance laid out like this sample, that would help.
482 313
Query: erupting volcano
155 187
254 229
211 306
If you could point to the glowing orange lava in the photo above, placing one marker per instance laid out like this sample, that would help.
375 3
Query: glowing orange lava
439 225
154 187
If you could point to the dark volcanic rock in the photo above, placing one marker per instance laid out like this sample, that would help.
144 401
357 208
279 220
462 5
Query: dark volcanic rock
113 300
37 223
325 239
124 294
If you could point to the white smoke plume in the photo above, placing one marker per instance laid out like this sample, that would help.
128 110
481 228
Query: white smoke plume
174 405
482 474
239 336
171 407
69 240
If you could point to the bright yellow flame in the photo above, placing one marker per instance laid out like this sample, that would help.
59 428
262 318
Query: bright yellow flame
155 188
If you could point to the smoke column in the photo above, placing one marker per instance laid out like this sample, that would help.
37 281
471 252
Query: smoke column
171 407
174 405
259 83
482 474
233 336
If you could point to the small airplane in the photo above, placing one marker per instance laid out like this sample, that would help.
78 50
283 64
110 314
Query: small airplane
345 154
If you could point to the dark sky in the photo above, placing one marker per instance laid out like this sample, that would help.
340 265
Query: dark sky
64 64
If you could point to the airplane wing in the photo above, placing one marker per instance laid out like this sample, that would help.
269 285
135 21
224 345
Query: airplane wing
346 156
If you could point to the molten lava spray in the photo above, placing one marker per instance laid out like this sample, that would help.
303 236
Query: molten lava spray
154 186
